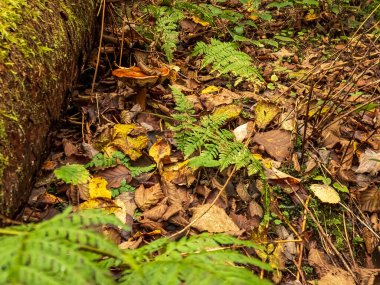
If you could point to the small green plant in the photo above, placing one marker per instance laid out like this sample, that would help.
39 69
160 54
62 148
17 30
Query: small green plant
73 174
225 58
68 250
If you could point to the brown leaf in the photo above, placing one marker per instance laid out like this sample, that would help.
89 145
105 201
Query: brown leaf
224 97
146 198
242 222
69 148
115 175
241 189
331 135
215 220
255 210
369 200
277 143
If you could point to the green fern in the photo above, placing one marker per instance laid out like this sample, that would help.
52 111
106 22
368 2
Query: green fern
189 262
58 251
225 58
216 147
165 29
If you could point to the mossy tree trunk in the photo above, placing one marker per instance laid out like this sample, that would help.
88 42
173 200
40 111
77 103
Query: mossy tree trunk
42 44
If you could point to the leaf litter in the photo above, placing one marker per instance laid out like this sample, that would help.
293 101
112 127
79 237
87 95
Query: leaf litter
311 115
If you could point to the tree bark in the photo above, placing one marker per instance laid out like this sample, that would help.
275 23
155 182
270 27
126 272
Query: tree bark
42 46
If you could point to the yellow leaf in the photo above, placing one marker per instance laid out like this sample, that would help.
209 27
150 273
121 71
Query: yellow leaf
265 113
253 16
99 203
179 174
159 150
97 188
122 129
210 89
325 193
200 21
131 146
228 112
311 16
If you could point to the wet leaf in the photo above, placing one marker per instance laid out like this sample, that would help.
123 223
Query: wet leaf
325 193
97 188
146 198
73 174
214 221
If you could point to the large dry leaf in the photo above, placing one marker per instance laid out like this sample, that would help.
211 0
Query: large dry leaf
277 143
146 198
369 200
325 193
265 113
115 175
215 220
156 212
331 135
369 162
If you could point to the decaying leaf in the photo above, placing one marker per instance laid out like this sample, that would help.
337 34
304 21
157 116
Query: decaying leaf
214 220
369 162
265 113
131 146
325 193
115 175
127 207
146 198
97 188
277 143
229 112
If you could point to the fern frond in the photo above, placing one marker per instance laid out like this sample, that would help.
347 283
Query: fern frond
226 59
57 251
188 261
165 29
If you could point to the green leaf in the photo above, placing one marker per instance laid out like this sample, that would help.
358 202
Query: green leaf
283 38
73 174
340 187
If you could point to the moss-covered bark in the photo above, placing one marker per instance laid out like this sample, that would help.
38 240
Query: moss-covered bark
41 48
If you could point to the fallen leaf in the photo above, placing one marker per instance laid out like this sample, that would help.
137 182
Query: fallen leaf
69 148
325 193
228 112
210 89
369 162
265 113
115 175
277 143
160 150
255 210
156 212
146 198
127 207
131 146
331 135
242 191
214 220
179 173
224 97
97 188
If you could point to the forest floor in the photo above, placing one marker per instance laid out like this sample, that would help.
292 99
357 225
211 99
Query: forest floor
261 122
